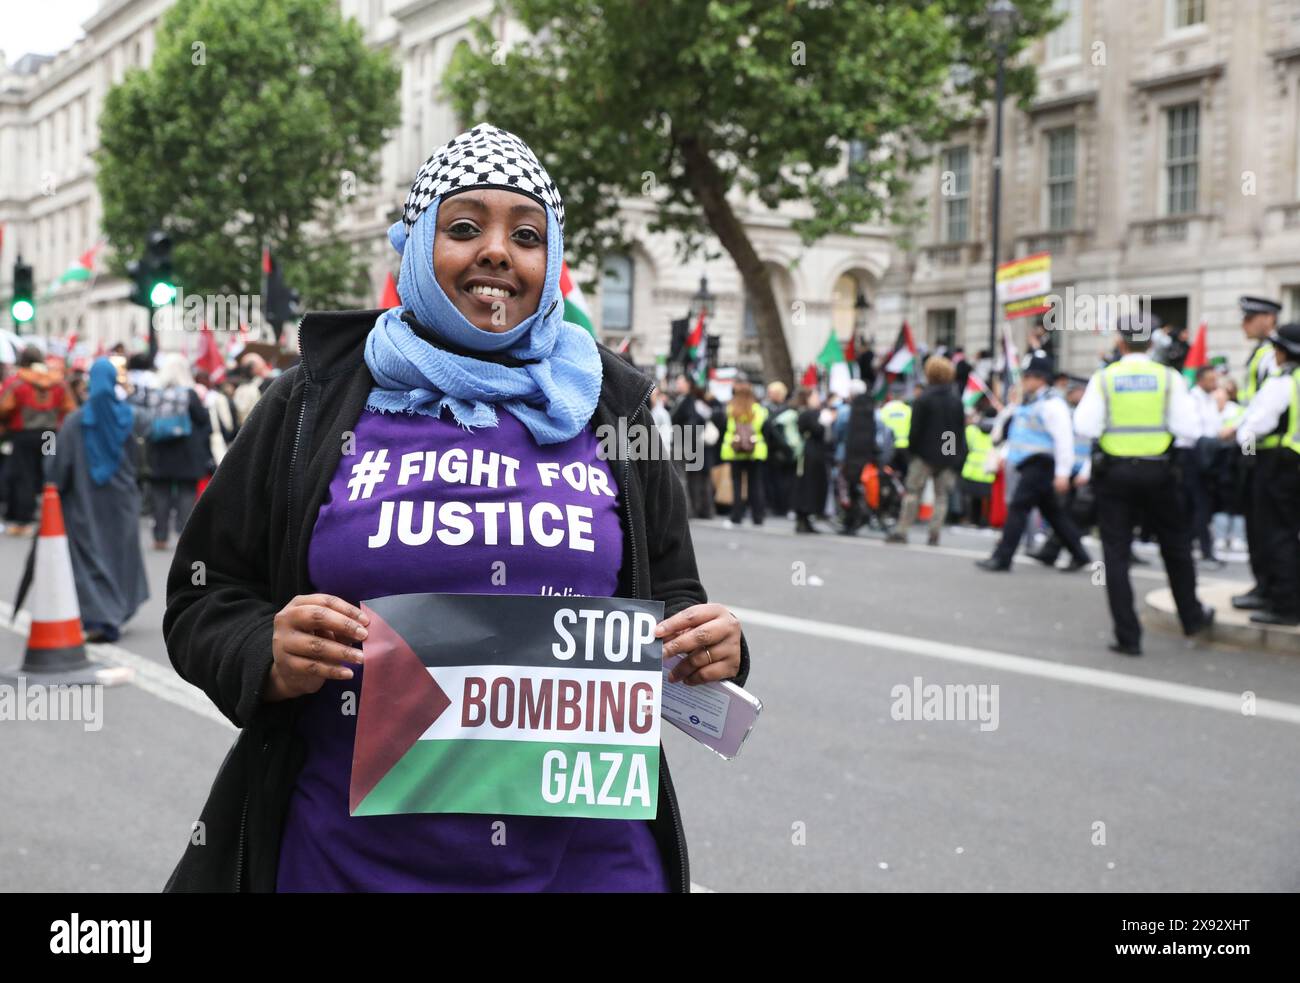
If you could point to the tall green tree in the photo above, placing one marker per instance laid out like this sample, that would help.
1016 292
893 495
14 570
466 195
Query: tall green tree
252 125
697 103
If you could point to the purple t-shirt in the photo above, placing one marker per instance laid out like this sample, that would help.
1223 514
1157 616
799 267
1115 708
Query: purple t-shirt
422 505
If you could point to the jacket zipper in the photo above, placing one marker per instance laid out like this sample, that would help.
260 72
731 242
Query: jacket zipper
636 592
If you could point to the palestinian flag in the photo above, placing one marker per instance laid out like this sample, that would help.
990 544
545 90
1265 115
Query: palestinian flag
575 304
974 391
509 705
837 369
1196 356
695 340
900 360
83 269
809 377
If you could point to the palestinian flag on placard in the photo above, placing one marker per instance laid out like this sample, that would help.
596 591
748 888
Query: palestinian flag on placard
1196 357
83 269
469 704
575 304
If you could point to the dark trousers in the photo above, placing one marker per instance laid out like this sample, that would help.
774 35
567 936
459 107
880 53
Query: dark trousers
1034 490
1256 541
1128 491
778 481
1277 513
1196 501
26 475
753 487
170 497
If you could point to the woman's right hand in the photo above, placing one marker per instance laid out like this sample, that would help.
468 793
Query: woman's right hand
308 645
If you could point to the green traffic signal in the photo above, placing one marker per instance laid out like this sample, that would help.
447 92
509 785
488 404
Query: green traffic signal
23 306
162 293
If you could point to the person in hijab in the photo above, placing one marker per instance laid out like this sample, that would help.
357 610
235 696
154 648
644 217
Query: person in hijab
94 468
297 527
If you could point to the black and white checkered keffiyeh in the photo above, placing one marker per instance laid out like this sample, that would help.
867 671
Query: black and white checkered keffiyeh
484 157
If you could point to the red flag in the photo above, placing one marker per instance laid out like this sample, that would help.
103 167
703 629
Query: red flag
809 377
266 260
210 360
850 350
1196 356
389 299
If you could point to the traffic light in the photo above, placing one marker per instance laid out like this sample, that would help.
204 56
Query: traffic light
153 283
23 306
158 252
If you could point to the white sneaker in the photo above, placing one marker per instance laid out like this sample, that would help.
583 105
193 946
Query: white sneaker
728 524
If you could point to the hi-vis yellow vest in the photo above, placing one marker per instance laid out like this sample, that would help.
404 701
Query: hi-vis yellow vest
1290 439
898 418
1137 397
1252 371
979 447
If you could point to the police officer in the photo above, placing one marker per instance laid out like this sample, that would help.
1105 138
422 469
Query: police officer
1258 321
897 416
1040 445
1134 408
1272 423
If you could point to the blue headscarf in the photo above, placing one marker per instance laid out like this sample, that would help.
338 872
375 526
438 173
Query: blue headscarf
105 422
553 397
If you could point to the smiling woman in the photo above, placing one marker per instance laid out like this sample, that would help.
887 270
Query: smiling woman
490 257
473 468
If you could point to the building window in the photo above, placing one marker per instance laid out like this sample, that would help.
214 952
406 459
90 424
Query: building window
1060 178
857 155
616 294
954 186
1290 305
1066 40
942 329
1182 139
1186 13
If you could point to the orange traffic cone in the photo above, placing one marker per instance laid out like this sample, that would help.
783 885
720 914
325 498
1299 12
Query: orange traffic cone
56 644
927 503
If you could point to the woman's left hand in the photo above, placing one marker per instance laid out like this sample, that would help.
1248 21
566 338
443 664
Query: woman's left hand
708 635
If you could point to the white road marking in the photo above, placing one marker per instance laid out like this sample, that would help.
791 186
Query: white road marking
150 676
918 547
1118 682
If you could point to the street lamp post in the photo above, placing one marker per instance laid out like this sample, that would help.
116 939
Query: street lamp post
1002 17
702 301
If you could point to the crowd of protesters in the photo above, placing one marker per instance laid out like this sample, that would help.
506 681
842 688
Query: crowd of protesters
124 437
875 455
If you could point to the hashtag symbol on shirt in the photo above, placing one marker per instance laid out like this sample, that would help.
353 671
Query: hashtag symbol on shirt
370 472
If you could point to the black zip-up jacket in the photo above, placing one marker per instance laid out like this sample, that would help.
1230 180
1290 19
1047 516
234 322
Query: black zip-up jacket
243 557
